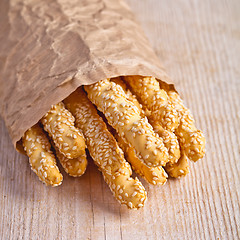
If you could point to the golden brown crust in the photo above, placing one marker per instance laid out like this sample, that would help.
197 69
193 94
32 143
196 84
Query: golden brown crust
153 127
178 169
169 139
126 119
41 158
75 167
154 99
59 123
191 139
105 151
127 190
153 175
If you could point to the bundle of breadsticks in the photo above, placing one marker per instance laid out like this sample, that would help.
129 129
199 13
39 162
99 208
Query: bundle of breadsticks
125 123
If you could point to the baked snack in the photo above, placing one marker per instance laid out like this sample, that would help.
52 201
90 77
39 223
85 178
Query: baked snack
126 118
75 167
105 151
191 139
155 100
59 123
126 123
41 158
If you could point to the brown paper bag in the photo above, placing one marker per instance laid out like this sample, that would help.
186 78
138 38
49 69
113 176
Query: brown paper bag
49 48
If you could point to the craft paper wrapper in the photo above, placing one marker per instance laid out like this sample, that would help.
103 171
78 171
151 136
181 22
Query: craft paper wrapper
50 48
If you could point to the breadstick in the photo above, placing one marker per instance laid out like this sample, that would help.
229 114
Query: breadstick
126 118
59 123
153 175
105 152
130 96
191 139
41 158
154 99
177 166
75 167
179 169
126 190
169 139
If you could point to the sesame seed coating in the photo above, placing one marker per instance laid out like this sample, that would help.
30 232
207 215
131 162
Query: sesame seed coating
177 166
41 158
169 139
59 123
154 99
75 167
126 119
127 190
105 151
179 169
153 175
191 139
143 120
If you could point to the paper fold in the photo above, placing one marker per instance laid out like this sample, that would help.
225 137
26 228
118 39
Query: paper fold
49 48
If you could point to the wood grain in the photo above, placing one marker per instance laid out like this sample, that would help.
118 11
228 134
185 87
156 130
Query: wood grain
199 45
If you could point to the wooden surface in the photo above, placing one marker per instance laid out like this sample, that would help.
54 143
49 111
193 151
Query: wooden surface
198 42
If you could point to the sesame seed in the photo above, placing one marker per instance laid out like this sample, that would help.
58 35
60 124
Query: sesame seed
130 204
134 194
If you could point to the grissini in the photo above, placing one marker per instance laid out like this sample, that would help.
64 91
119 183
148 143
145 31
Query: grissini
75 167
105 151
169 139
59 123
126 119
191 139
148 127
154 99
177 166
41 158
153 175
178 169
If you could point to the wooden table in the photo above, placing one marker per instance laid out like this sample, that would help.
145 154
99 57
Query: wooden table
198 42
